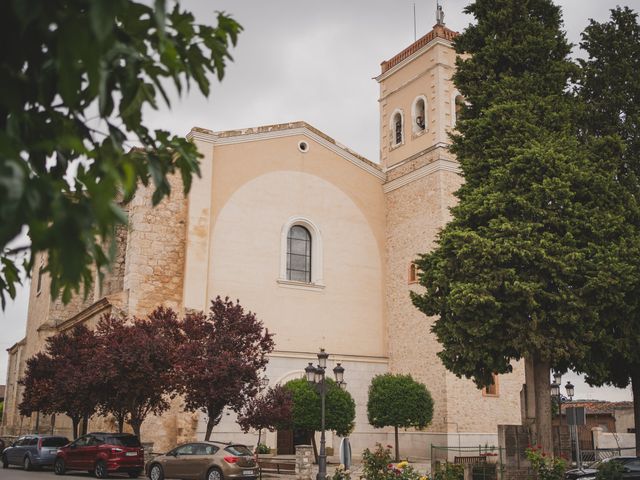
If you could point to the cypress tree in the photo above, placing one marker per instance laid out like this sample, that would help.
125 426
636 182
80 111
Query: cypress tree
513 274
610 94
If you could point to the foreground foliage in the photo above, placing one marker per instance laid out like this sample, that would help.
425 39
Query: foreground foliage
75 78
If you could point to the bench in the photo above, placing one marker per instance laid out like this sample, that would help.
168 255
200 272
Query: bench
470 460
274 465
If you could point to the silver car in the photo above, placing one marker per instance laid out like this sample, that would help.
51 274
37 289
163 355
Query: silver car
33 451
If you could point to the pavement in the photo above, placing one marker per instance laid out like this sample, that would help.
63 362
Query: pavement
18 473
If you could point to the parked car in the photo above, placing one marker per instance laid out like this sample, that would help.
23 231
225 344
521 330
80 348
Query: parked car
204 460
101 454
33 451
630 469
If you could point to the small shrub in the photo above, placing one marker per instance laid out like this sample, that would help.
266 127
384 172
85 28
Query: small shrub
545 466
262 449
375 464
402 471
449 471
609 471
341 473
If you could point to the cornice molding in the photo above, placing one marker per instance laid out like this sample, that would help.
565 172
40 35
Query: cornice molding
81 317
439 165
334 357
427 47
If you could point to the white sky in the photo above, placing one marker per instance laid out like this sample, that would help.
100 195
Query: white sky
314 61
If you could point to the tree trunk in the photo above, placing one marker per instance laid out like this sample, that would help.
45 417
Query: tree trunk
635 387
259 437
75 421
53 422
210 425
397 443
544 434
136 425
85 424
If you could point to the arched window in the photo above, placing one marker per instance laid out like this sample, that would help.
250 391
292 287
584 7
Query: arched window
419 114
299 254
397 128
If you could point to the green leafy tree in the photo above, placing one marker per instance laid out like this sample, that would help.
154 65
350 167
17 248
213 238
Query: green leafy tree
513 274
610 92
398 401
75 79
340 408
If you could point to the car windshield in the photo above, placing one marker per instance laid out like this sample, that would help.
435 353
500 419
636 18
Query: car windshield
238 450
124 441
54 442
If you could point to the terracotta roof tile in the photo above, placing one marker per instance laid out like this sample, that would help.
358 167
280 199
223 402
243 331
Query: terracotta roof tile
438 31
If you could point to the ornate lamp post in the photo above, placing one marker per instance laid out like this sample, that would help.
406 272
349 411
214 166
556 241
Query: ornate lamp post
316 376
555 392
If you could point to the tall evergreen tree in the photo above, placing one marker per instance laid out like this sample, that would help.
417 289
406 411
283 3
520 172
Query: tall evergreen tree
511 274
610 94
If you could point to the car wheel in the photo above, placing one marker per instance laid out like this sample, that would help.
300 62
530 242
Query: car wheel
59 467
101 470
215 474
134 474
156 473
5 462
27 463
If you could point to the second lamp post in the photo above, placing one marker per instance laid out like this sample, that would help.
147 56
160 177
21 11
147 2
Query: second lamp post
316 376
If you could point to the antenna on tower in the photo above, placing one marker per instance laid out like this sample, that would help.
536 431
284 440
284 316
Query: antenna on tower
414 23
439 13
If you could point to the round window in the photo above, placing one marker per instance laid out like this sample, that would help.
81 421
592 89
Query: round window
303 146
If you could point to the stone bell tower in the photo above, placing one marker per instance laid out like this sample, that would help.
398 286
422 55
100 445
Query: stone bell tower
417 112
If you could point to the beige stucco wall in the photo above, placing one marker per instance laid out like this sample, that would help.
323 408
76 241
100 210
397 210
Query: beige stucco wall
256 188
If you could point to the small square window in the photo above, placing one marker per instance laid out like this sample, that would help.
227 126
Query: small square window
492 390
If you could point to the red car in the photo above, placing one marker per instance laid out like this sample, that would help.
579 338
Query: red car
101 454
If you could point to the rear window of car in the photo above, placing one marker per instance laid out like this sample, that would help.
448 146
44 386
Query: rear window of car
238 450
124 441
54 442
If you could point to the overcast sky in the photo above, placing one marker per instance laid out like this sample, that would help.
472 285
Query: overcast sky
314 61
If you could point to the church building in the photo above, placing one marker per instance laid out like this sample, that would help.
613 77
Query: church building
319 243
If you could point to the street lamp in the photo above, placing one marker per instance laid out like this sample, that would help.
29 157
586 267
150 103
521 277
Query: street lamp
570 391
316 377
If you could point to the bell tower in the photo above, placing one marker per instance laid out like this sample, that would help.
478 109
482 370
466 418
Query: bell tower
417 112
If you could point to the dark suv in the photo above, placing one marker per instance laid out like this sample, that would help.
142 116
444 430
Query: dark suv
33 451
101 454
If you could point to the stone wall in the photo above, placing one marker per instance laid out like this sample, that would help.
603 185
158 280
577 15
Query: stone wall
155 250
113 280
